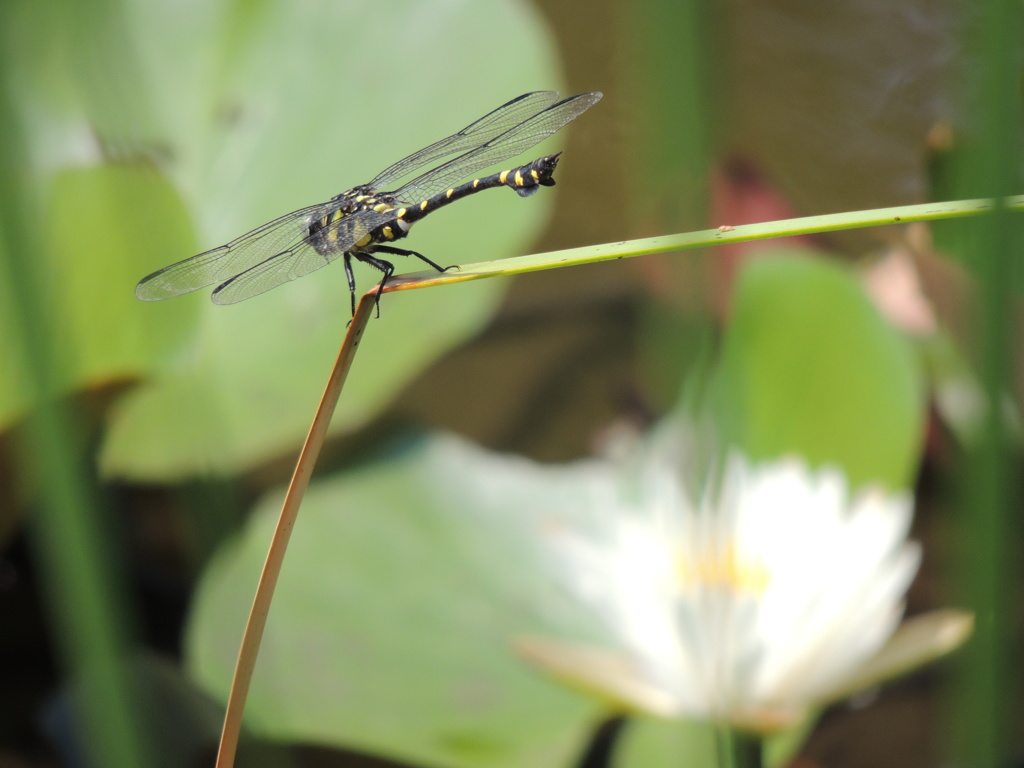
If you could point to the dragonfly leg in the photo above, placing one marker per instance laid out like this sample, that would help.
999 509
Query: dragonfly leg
351 281
384 266
402 252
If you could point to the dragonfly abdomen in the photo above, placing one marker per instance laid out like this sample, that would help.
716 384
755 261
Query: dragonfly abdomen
526 179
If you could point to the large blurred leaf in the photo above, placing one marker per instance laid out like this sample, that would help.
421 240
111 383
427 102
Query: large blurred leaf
392 621
271 107
810 366
101 217
94 254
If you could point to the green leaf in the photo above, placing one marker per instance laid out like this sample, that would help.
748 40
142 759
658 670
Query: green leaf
109 215
392 622
657 743
102 218
810 366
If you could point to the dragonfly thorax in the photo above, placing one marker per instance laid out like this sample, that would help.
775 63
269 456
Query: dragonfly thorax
354 221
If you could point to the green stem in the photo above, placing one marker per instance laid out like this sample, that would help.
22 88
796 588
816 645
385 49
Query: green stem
985 700
808 225
84 594
744 749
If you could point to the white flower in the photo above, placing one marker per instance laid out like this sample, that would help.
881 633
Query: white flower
747 605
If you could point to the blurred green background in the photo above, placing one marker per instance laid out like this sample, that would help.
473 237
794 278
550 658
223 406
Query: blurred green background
144 447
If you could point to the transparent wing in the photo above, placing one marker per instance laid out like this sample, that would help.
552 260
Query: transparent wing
219 264
515 139
298 260
473 135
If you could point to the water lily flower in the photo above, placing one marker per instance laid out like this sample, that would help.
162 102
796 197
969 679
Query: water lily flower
766 594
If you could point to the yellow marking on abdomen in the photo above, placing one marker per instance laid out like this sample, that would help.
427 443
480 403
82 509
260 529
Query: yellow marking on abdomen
476 183
519 179
449 193
423 205
504 175
535 175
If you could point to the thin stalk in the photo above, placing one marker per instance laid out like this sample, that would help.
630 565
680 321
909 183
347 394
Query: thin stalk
807 225
257 621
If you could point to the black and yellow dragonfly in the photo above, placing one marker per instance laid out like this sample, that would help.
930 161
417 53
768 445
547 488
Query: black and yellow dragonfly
361 222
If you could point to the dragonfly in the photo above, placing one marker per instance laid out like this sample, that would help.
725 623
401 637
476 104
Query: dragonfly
362 222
